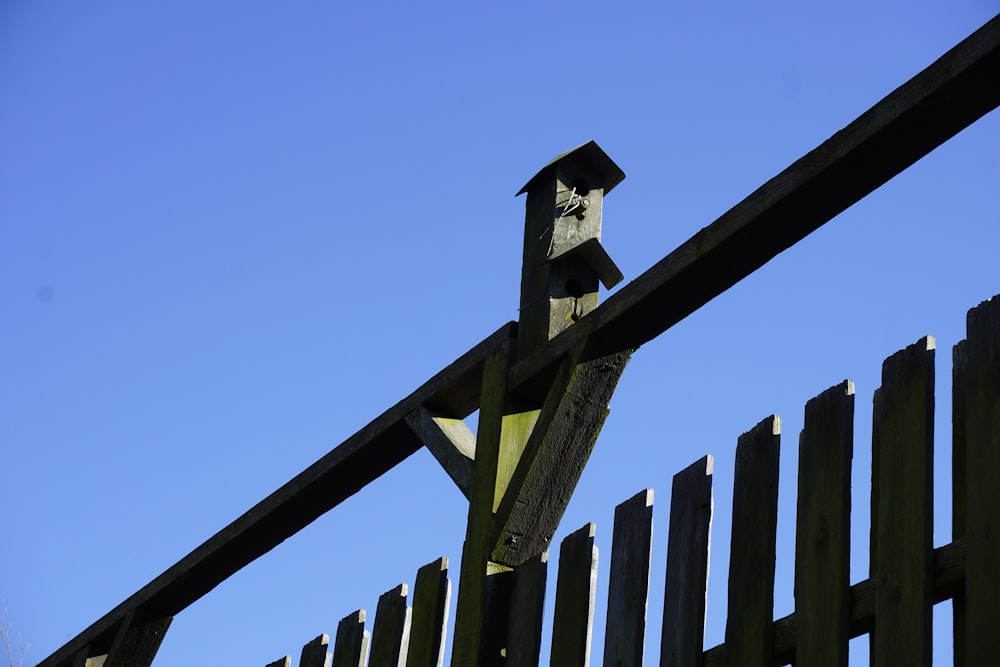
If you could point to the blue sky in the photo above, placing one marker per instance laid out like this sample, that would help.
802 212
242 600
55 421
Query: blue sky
231 234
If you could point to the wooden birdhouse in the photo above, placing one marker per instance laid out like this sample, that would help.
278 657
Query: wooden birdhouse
563 256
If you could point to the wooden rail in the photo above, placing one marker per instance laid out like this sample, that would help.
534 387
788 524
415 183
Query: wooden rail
920 115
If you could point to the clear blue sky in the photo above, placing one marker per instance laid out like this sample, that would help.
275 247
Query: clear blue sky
232 233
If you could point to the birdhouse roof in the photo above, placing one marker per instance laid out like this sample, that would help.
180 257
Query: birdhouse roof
590 155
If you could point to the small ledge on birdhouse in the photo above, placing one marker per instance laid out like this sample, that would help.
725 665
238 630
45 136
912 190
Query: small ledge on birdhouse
597 258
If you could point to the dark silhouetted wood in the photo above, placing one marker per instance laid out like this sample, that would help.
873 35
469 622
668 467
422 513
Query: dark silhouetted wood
823 529
315 653
749 637
628 587
283 662
391 633
429 617
903 507
137 641
982 483
573 622
351 647
524 623
683 636
450 441
959 463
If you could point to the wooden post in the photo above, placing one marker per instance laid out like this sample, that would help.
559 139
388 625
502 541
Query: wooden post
628 587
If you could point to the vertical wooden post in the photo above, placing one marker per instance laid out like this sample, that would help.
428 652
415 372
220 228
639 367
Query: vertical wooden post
749 621
315 653
960 356
431 598
628 586
573 621
391 632
982 520
524 624
903 507
351 647
683 635
823 529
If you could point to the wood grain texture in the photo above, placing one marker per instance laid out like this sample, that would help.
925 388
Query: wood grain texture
573 621
554 457
683 635
450 441
391 632
823 529
351 646
628 587
524 625
429 617
903 507
959 463
749 622
137 641
315 653
982 482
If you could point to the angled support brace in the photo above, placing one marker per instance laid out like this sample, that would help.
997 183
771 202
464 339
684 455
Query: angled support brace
450 441
137 641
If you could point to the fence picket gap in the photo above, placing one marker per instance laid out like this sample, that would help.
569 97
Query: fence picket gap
683 636
315 654
524 626
351 646
749 622
572 626
429 617
822 539
982 415
391 632
903 507
628 589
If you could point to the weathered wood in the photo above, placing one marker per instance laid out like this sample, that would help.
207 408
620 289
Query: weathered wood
959 463
524 624
391 632
450 441
903 507
982 519
554 457
749 622
283 662
429 617
823 538
683 634
573 621
82 659
472 589
138 640
628 587
351 647
943 99
315 653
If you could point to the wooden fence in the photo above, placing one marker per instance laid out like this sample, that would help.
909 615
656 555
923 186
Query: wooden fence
893 605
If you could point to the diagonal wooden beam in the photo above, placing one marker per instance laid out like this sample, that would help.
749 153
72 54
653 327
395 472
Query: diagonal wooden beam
451 442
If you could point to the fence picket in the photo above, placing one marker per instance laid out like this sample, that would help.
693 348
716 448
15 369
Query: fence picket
822 540
351 646
903 507
749 623
391 632
524 626
431 596
283 662
959 356
628 589
982 415
683 636
572 626
314 653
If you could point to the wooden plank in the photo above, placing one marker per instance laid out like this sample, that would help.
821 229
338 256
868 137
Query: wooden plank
628 587
351 647
573 621
472 589
823 532
524 625
683 634
283 662
429 618
749 638
138 640
982 520
314 653
391 633
450 441
554 458
903 507
949 577
959 462
943 99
